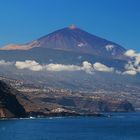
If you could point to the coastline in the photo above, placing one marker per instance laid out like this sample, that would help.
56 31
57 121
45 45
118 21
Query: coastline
54 115
60 115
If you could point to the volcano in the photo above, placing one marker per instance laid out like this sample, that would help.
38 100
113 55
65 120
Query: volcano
51 62
74 39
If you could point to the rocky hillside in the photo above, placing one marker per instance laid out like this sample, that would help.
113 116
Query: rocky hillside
54 102
9 105
47 102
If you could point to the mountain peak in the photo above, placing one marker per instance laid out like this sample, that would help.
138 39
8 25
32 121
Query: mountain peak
72 27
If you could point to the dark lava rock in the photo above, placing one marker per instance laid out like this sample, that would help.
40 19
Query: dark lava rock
9 105
125 106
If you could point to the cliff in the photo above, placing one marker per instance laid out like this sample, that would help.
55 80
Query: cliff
9 105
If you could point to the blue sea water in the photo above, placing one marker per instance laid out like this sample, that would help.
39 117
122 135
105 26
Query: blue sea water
122 126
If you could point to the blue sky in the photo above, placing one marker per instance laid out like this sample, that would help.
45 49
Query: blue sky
22 21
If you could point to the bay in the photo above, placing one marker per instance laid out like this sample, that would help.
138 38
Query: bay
121 126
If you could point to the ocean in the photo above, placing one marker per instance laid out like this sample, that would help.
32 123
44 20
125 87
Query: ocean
120 126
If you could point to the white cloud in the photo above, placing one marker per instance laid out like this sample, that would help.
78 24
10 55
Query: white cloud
101 67
29 64
130 66
5 63
61 67
118 72
87 67
133 66
133 54
130 53
35 66
137 59
130 72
